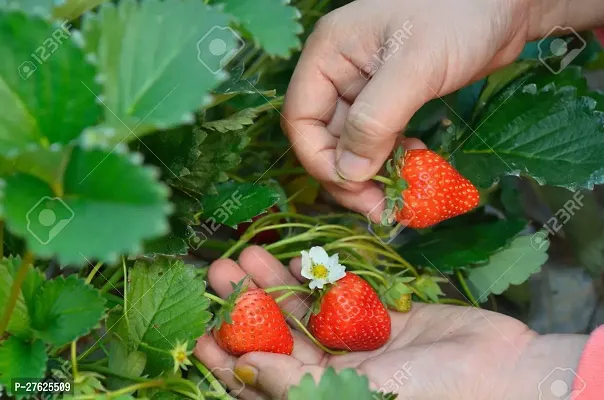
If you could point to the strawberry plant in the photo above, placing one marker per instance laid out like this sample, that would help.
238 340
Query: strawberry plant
137 137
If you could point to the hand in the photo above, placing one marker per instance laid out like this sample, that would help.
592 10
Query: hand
436 352
335 116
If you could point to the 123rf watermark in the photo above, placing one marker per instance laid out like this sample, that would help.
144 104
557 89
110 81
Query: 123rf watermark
218 218
397 381
43 52
555 223
392 45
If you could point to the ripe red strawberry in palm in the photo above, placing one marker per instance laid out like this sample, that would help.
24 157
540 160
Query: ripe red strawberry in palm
256 324
434 191
351 317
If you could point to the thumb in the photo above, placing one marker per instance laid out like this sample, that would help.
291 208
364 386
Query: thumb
273 373
377 116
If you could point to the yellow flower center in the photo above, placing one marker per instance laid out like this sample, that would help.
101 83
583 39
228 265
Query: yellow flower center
320 271
181 356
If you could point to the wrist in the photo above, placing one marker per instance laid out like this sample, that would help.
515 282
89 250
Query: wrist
546 368
543 16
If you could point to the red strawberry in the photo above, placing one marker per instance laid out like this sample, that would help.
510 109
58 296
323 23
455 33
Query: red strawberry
432 190
351 317
256 325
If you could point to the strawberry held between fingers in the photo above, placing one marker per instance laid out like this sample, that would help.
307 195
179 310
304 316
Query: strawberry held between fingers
431 190
254 323
351 317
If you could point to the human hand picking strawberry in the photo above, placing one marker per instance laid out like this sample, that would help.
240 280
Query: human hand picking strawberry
370 65
429 346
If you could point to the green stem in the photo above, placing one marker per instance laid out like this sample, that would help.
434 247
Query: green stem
110 284
1 239
384 180
152 348
74 361
210 378
465 288
312 338
235 178
286 256
299 288
256 65
26 263
114 298
125 293
283 297
374 274
456 302
214 298
389 254
93 272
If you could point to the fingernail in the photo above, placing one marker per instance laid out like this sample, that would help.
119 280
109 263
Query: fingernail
247 374
353 167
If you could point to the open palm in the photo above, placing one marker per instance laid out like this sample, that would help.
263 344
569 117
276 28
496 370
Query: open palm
434 352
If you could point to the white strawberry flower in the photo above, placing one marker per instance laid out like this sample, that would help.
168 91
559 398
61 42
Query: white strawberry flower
320 268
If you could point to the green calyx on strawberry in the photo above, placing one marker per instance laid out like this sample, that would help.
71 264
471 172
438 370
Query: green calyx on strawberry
398 294
350 316
425 189
251 320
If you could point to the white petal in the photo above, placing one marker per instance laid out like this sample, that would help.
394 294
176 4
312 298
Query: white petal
315 284
334 260
336 273
306 261
307 272
306 265
318 255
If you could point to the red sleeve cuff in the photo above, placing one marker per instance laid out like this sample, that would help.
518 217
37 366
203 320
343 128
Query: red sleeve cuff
589 379
600 35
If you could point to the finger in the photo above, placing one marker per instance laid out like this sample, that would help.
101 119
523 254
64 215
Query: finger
378 116
295 267
414 144
222 365
267 271
274 373
224 271
324 82
368 201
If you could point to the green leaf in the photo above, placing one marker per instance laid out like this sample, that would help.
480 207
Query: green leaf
109 205
46 164
553 135
428 285
165 305
498 80
47 88
346 384
510 266
193 160
234 122
156 63
21 359
19 323
65 309
462 246
238 202
273 23
124 363
175 243
237 85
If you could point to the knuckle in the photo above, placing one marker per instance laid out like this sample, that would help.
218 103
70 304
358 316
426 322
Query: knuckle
327 21
362 127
